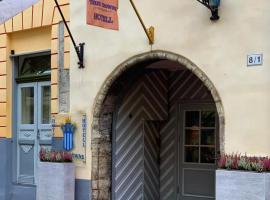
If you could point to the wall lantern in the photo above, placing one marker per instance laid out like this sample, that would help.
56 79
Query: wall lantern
212 5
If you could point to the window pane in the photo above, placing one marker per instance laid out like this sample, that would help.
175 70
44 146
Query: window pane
192 137
208 119
207 155
192 154
27 107
46 105
208 137
192 118
35 66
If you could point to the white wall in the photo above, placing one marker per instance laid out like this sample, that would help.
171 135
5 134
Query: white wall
183 27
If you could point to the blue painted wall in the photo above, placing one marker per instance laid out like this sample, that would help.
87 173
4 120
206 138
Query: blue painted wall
5 168
13 191
82 189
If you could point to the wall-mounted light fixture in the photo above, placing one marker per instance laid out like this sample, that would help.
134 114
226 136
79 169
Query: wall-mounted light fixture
213 6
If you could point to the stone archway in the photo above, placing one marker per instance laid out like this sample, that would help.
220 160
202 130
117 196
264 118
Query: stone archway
104 106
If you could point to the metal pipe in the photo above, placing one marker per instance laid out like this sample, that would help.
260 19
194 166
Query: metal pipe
69 32
142 23
207 6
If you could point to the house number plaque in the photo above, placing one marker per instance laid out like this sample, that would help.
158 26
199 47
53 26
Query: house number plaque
254 59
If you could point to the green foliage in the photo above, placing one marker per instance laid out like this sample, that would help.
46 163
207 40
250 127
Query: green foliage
244 164
228 164
258 167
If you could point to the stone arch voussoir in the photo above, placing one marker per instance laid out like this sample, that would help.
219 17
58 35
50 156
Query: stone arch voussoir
101 144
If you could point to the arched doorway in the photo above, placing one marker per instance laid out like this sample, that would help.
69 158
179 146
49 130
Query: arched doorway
165 96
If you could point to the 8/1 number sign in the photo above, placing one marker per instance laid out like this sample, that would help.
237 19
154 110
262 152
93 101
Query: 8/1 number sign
254 59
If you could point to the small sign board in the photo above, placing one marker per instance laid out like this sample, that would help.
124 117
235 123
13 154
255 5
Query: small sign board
103 13
80 138
254 59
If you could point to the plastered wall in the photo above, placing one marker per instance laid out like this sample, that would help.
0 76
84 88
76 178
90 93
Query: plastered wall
220 50
35 29
32 30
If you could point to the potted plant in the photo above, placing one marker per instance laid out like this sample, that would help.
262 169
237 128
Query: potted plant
243 178
55 176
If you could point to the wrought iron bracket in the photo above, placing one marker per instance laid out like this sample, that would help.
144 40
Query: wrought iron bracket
80 53
78 48
213 9
150 32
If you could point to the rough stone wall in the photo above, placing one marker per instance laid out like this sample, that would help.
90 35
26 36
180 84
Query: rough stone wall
101 143
101 151
63 74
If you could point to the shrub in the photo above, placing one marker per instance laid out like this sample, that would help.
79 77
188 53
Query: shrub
54 156
238 162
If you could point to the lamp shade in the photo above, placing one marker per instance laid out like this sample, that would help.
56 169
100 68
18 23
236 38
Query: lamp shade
215 3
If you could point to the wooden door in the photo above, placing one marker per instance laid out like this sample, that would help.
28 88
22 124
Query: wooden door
198 147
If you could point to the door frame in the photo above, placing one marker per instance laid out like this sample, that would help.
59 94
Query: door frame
192 105
14 113
37 122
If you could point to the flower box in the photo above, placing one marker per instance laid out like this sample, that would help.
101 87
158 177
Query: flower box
55 181
242 185
55 176
243 178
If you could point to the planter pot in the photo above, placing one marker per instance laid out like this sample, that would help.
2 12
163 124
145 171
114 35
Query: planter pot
55 181
242 185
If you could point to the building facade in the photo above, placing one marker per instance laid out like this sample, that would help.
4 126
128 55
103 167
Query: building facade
157 116
34 82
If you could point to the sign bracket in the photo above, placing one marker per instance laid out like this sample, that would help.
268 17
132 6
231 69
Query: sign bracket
150 32
78 48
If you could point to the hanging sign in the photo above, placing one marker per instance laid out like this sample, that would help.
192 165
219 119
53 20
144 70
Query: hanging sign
103 13
10 8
